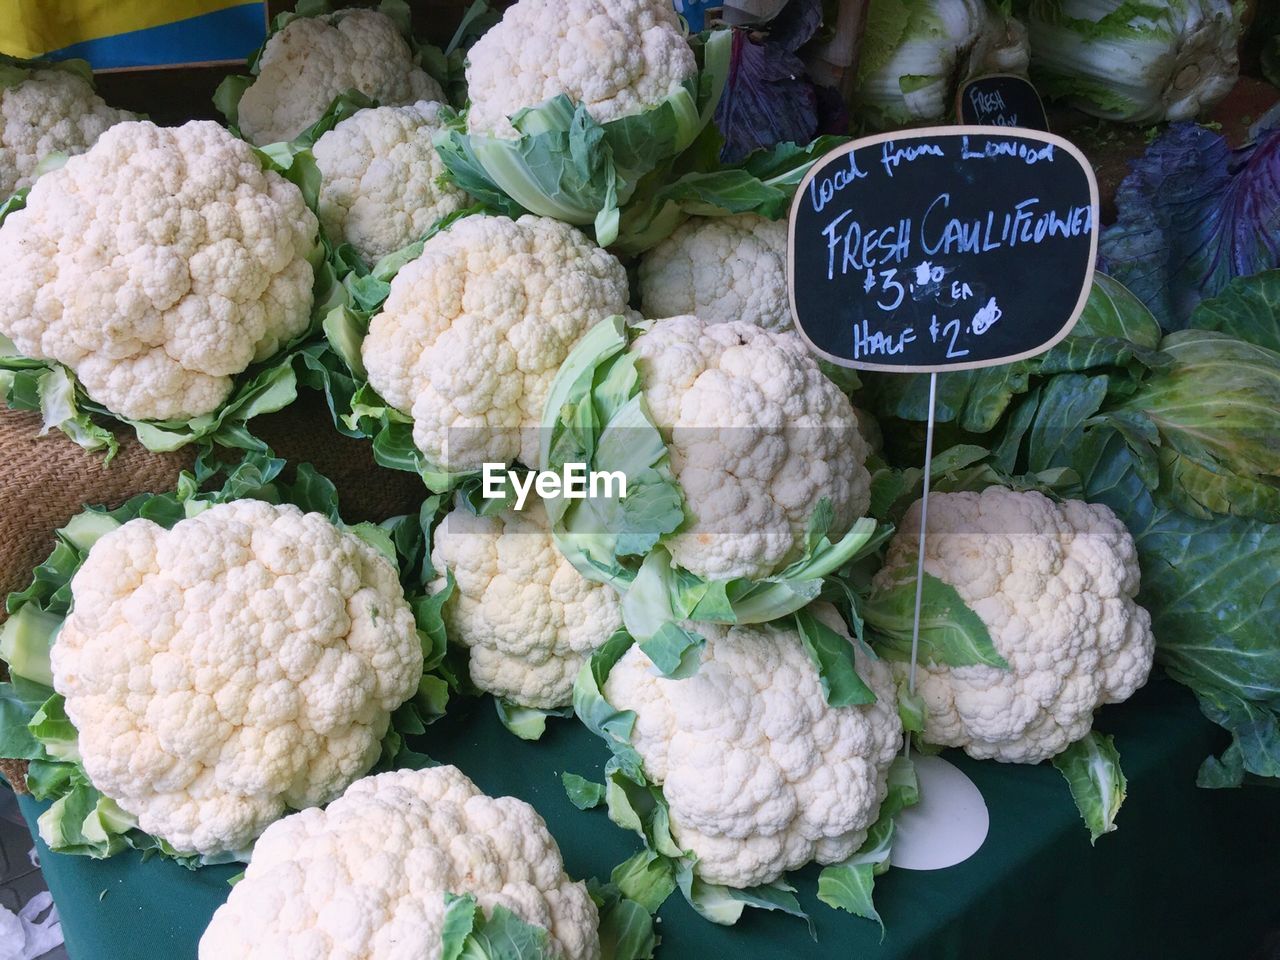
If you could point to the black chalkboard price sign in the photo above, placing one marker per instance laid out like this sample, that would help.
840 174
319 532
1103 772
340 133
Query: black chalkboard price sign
1001 100
945 248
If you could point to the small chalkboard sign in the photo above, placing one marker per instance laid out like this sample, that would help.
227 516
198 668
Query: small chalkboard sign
1001 100
945 248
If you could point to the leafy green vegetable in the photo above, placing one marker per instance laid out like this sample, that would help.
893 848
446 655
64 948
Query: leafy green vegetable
1210 585
1132 60
1092 768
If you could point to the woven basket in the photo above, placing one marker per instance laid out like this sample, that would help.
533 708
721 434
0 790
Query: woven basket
45 481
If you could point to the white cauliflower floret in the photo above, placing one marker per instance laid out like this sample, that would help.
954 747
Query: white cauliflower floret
381 185
757 435
528 616
761 775
474 330
366 878
52 111
720 269
1055 586
157 266
243 663
616 57
314 59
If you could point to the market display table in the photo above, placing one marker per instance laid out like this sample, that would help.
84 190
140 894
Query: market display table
1190 873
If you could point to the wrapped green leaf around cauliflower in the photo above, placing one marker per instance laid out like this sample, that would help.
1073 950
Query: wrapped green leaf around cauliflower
720 269
916 53
406 865
474 329
1036 624
46 109
745 475
314 59
157 267
528 617
382 183
760 775
572 103
190 668
1136 62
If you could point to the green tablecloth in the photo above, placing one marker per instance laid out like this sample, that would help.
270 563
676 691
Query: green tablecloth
1190 873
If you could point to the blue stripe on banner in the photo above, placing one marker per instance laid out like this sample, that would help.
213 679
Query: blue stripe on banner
231 34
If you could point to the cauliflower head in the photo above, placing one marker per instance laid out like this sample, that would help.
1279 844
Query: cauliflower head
616 57
314 59
1054 583
757 436
381 178
241 664
528 616
52 111
760 774
720 269
474 330
157 266
365 878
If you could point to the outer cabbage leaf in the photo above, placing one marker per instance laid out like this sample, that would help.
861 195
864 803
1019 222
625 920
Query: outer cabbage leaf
1114 330
1193 215
1216 414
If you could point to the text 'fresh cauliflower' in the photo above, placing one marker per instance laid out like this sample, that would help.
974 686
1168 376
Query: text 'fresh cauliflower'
760 774
381 185
241 664
157 266
51 111
474 330
314 59
366 878
616 57
1054 585
528 616
720 269
758 436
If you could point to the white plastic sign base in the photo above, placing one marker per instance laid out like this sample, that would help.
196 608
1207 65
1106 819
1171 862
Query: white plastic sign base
947 826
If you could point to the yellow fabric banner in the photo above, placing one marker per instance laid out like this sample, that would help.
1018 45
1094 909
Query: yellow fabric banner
32 28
